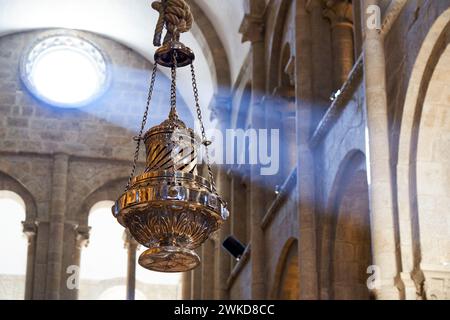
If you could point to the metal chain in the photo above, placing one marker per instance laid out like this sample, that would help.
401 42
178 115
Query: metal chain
173 103
205 141
173 89
141 131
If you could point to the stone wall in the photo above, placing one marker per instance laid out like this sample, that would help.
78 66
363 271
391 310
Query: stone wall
328 204
96 138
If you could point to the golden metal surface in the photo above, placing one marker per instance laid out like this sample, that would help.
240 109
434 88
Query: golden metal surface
169 259
169 208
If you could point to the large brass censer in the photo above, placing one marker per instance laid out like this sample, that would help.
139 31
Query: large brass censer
169 208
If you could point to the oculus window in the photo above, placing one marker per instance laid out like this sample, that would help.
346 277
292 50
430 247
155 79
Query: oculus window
65 71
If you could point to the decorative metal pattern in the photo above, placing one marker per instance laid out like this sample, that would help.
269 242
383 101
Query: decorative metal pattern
169 208
171 146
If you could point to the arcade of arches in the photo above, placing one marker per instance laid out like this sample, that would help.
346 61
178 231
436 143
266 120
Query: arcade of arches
359 207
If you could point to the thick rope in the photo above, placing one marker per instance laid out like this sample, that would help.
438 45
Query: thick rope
176 16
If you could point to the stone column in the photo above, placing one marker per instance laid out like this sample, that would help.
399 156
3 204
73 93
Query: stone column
56 232
196 280
30 229
357 28
81 241
186 285
223 265
253 29
238 209
218 259
283 102
289 138
305 162
40 261
208 270
381 186
274 106
131 245
340 14
75 237
322 59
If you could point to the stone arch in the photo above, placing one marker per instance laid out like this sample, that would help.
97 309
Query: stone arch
346 239
277 43
434 45
206 34
280 112
7 182
284 78
412 130
286 280
111 190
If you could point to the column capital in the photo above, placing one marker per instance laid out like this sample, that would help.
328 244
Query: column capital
81 234
30 228
129 241
252 28
339 12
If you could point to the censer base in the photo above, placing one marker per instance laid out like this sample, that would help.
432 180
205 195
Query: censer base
169 259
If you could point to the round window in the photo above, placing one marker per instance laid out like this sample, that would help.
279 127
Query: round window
65 71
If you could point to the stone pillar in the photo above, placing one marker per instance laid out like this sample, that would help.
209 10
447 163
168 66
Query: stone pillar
223 265
274 106
186 285
322 59
217 258
131 245
238 209
30 229
81 241
56 232
289 138
40 260
381 186
305 162
75 237
208 270
357 29
340 14
196 280
253 29
283 102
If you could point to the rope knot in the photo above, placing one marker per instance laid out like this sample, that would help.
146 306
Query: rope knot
176 16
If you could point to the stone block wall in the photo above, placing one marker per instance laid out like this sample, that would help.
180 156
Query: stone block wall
96 138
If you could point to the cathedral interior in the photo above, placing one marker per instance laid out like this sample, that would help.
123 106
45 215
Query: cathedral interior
328 166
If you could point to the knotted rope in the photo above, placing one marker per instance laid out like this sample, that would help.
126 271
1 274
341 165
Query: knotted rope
176 16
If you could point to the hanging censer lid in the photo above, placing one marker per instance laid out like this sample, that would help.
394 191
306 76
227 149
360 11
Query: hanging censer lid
169 208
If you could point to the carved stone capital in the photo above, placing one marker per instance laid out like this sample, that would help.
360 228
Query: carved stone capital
129 241
436 281
339 12
82 235
252 28
30 228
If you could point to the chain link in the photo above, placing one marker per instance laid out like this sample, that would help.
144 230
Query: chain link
173 89
205 141
141 131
